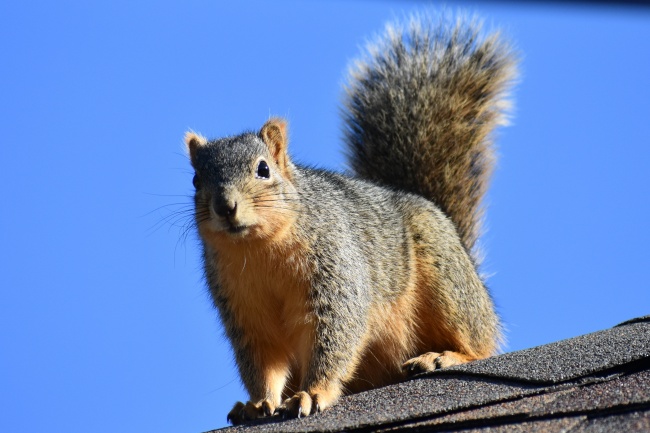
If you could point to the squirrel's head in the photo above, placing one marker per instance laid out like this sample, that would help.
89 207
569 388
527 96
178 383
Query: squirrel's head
243 183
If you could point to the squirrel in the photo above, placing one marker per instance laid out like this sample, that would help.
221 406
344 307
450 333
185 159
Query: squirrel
328 283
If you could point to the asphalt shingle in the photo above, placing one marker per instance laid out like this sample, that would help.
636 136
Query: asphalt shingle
595 382
568 359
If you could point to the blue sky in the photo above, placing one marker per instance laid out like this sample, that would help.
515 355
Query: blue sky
104 322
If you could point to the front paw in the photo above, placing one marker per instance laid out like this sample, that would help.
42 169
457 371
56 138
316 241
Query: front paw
297 406
250 411
305 404
301 404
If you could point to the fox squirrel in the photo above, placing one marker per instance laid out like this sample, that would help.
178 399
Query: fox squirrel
329 284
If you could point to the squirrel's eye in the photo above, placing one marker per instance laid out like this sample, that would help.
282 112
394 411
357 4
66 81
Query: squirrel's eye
263 171
196 182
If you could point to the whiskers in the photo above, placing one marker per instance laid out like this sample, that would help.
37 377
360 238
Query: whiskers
180 216
185 216
267 199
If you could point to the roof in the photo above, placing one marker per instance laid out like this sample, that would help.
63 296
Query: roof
592 383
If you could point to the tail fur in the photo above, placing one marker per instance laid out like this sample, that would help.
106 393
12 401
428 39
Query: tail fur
421 107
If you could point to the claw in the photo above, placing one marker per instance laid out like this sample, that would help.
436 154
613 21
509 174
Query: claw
299 411
317 408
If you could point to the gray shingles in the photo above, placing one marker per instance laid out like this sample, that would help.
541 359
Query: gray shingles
615 393
562 385
546 425
638 421
568 359
627 390
402 401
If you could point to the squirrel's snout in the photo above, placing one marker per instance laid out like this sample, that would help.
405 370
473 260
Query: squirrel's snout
226 208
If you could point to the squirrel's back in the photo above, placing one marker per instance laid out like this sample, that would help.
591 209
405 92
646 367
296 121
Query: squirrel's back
420 110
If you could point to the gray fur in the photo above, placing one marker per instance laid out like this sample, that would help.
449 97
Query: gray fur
421 107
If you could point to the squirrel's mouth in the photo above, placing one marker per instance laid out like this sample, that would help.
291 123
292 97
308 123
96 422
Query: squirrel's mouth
230 227
236 229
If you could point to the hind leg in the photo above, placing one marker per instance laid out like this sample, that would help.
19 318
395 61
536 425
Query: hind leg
432 361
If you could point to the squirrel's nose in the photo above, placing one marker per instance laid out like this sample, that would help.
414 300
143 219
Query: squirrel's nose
224 207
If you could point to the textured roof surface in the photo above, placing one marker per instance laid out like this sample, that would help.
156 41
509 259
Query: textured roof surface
592 383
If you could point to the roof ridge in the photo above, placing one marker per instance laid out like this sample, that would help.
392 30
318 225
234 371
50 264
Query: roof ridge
641 319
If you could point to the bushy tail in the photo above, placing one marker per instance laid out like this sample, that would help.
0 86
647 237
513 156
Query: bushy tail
420 110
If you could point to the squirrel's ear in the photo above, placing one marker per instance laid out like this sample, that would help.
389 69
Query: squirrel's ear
193 141
274 135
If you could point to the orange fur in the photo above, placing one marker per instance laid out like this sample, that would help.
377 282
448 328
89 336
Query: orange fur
390 341
266 284
423 323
